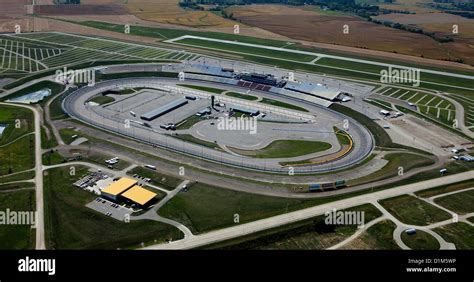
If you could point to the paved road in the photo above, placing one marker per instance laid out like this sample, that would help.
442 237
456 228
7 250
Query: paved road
153 212
40 238
449 193
48 118
460 115
358 233
272 222
401 227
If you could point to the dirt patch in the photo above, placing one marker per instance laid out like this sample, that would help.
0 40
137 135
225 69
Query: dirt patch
12 7
79 10
169 12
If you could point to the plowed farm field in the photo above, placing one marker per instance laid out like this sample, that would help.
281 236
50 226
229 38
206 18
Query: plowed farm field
309 25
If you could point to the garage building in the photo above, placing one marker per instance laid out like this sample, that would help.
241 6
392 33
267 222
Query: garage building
118 187
164 109
138 195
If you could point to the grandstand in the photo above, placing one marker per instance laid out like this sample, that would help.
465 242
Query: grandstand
212 78
310 92
319 90
210 70
265 79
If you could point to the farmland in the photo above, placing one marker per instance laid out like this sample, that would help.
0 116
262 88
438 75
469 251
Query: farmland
328 29
441 24
169 12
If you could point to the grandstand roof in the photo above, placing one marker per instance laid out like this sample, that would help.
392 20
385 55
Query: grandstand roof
318 89
210 70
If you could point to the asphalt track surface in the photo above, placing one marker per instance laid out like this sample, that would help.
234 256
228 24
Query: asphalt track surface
75 105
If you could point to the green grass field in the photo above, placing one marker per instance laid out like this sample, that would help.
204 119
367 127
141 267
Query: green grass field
67 133
17 156
204 208
99 158
282 104
17 177
342 136
195 140
188 122
411 210
71 225
311 234
15 186
19 122
101 100
285 149
241 96
241 49
203 88
55 109
445 189
420 241
377 237
52 158
48 141
166 33
17 237
460 203
406 161
458 233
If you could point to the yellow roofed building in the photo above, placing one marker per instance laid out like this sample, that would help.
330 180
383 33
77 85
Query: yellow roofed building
118 187
139 195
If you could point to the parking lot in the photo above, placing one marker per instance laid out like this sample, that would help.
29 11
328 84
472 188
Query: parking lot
109 208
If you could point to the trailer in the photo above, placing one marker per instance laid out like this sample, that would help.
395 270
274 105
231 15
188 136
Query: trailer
314 187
